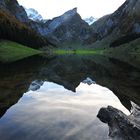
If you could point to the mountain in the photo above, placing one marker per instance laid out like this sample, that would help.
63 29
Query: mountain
12 27
13 7
67 28
90 20
120 27
33 14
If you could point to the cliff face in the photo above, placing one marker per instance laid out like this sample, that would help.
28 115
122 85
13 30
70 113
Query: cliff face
123 22
15 9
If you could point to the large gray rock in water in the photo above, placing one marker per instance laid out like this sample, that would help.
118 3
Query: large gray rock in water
121 126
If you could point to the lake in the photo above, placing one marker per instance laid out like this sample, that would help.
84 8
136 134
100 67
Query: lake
59 98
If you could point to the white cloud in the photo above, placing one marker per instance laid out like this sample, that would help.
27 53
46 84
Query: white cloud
86 8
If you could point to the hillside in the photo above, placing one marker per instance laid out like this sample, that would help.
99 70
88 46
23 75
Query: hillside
12 29
12 51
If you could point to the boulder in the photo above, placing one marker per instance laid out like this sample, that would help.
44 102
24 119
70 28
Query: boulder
121 126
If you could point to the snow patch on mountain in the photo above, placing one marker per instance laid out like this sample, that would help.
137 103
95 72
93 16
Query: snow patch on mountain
33 14
90 20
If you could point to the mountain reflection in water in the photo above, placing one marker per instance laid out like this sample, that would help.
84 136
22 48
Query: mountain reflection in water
63 107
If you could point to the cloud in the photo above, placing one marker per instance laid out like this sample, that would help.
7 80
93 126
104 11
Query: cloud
86 8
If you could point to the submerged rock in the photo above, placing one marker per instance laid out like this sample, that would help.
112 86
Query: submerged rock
121 126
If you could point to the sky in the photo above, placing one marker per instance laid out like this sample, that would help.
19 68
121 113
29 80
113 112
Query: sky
86 8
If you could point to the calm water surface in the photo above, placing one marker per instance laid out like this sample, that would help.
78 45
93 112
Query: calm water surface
49 100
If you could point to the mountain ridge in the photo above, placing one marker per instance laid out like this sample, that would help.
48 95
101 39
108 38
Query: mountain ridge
123 22
65 29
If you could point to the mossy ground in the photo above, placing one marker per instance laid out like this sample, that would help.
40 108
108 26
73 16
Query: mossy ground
11 51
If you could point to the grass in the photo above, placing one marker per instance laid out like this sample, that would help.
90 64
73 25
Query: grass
75 49
77 52
11 51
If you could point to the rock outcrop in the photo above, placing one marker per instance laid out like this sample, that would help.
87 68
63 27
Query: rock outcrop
121 126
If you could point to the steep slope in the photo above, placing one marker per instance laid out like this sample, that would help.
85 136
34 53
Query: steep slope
12 27
123 24
13 7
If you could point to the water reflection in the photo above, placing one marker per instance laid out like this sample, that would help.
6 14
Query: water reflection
54 112
66 108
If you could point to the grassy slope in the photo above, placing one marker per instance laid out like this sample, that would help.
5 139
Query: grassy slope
75 49
11 51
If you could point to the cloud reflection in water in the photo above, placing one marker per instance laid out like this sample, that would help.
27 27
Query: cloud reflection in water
53 113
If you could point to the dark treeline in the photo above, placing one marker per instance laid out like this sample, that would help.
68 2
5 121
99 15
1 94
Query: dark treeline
124 39
12 29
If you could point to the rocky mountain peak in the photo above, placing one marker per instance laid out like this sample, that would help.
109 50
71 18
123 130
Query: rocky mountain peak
67 28
70 12
66 17
33 14
90 20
